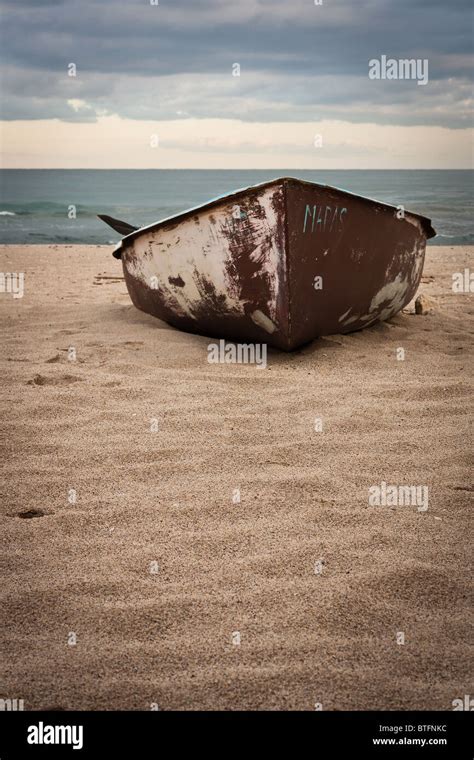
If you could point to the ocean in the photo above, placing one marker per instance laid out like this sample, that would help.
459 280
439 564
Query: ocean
35 203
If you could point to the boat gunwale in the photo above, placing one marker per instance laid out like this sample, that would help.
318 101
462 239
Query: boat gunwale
213 202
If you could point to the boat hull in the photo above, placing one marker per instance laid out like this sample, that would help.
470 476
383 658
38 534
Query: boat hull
281 263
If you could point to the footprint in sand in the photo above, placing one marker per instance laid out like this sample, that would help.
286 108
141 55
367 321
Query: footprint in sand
60 380
107 279
30 513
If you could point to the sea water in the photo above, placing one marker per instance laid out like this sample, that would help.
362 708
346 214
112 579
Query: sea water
61 206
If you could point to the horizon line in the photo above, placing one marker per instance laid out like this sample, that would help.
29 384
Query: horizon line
224 169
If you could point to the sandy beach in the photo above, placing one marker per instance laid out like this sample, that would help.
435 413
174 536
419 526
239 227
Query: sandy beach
131 572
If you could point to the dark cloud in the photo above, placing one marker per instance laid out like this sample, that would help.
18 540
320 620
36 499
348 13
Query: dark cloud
297 60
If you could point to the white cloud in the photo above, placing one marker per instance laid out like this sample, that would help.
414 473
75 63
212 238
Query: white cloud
78 105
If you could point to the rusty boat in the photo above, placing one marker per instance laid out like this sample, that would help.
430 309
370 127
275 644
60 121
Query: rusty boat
282 263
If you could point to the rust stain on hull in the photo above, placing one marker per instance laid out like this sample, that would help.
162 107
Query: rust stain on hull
280 263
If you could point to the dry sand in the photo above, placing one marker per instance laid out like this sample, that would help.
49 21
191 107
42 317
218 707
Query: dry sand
166 497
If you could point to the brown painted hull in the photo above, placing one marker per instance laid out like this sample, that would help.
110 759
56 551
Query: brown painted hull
280 263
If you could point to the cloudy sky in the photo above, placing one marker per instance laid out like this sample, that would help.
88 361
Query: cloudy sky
155 84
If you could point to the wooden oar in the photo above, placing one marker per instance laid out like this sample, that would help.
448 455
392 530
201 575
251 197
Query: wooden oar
123 228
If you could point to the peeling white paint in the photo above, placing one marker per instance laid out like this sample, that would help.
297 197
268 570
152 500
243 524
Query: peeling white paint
343 316
350 321
419 258
393 294
193 251
389 292
414 221
263 321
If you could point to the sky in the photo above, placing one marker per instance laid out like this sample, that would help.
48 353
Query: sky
235 84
